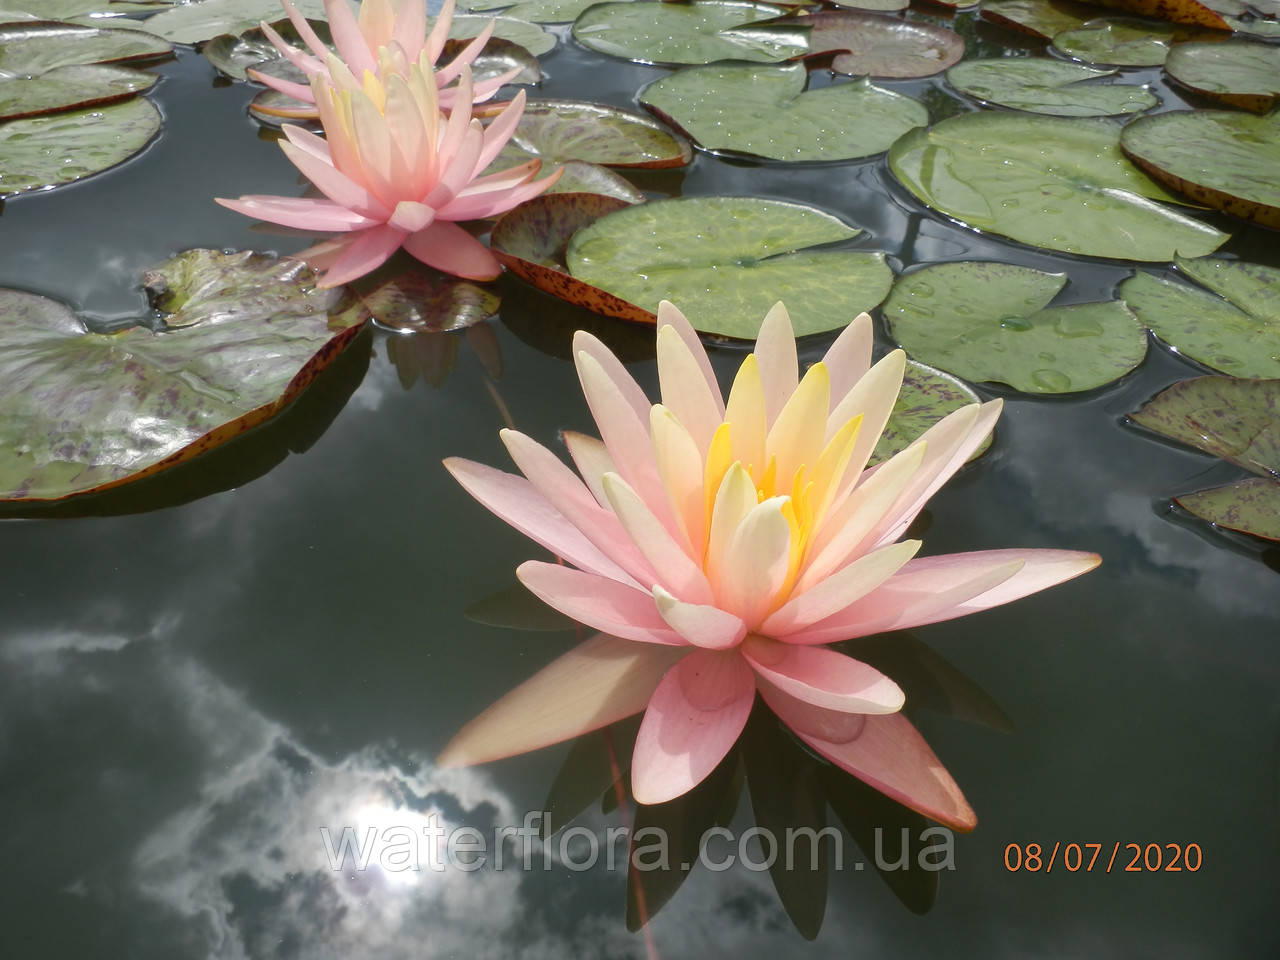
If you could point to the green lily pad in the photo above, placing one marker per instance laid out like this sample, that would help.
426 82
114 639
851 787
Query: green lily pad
520 32
1054 182
232 54
537 11
926 397
1248 506
598 133
531 240
1240 73
65 88
699 31
1237 331
59 148
727 260
1191 12
1234 420
27 49
198 22
992 321
1122 43
882 46
87 411
765 111
1039 18
1222 159
1041 85
578 177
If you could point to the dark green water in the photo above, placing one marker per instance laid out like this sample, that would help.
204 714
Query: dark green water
188 694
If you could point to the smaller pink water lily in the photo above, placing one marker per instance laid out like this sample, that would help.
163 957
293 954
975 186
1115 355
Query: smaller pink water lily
384 37
720 547
395 172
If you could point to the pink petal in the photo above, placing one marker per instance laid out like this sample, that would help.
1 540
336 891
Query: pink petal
700 624
671 564
347 37
447 247
514 499
500 129
307 64
685 391
305 140
484 89
612 367
299 91
776 354
334 184
822 677
599 602
891 756
597 683
849 358
694 717
465 57
670 316
410 29
370 250
592 459
439 32
304 213
754 564
309 37
456 172
496 202
833 726
873 396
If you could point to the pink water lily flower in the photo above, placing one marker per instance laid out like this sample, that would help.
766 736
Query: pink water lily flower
719 547
384 37
395 172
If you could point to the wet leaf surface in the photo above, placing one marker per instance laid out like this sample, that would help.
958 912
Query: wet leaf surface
1240 73
232 54
1247 506
926 397
1237 331
520 32
598 133
537 11
700 31
1053 87
1232 419
198 22
1039 18
993 322
64 88
27 49
1222 159
89 411
60 148
883 46
1058 183
1125 43
727 260
766 111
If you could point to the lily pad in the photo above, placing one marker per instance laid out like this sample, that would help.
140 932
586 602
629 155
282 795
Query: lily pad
276 109
1191 12
1123 43
766 111
59 148
882 46
727 260
578 177
879 6
1222 159
1054 182
530 241
992 321
1234 420
520 32
232 54
86 411
1239 72
699 31
537 11
1237 331
27 49
1039 18
1041 85
65 88
206 19
417 299
1248 506
926 397
598 133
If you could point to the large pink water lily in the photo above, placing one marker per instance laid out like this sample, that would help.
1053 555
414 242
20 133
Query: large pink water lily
384 37
720 547
395 172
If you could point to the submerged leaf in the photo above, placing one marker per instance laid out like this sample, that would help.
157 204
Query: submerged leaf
1041 85
727 260
765 111
992 321
89 411
1059 183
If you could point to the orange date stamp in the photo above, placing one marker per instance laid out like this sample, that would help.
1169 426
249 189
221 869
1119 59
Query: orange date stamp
1086 857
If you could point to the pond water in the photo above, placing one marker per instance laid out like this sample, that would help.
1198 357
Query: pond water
199 672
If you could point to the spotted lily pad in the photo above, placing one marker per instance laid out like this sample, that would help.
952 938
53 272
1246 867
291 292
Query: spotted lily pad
727 260
1224 159
1240 73
206 19
992 321
765 111
1191 12
85 411
1054 182
1124 43
699 31
1237 331
65 88
27 49
1237 421
598 133
1039 18
926 397
1041 85
883 46
59 148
